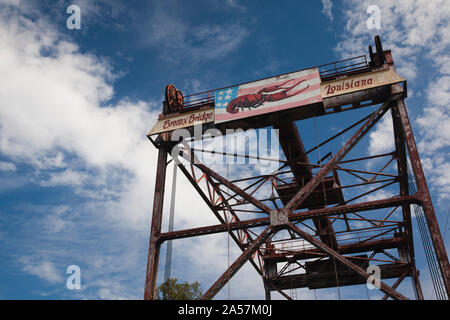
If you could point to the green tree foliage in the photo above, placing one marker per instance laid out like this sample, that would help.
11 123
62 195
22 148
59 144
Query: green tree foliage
171 290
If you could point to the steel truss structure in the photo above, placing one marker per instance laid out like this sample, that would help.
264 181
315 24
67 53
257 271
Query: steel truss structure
303 232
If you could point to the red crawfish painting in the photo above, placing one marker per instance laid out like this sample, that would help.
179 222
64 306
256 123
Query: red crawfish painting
268 95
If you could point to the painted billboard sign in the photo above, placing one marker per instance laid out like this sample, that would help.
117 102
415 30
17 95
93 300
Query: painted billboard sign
359 82
268 95
184 120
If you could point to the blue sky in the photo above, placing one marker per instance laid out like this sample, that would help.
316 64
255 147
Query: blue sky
76 170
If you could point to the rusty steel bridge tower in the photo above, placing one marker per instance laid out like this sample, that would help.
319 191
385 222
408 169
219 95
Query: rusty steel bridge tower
310 229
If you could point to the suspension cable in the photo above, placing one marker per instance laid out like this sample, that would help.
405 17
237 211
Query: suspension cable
430 254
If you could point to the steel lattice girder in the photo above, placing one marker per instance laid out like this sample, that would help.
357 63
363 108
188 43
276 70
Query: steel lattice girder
383 287
295 202
260 222
314 182
154 245
403 136
424 195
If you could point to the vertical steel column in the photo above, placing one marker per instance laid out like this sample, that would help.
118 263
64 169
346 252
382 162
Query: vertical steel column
267 290
424 196
404 191
155 232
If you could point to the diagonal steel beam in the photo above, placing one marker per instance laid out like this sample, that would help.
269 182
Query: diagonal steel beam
240 261
234 188
298 199
233 213
282 293
188 152
320 245
216 213
397 283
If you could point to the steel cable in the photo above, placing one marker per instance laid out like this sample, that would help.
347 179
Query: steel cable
430 254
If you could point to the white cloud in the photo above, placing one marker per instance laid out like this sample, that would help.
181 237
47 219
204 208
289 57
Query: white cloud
43 269
59 120
66 178
435 127
107 294
56 117
437 172
113 291
327 7
439 92
177 40
7 166
417 32
58 110
378 195
381 138
443 64
411 29
57 220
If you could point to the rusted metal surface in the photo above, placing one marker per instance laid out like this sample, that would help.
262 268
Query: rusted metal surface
400 147
155 231
182 120
318 198
234 188
329 71
342 249
346 262
360 82
328 192
424 196
416 283
327 279
397 283
223 224
326 169
293 148
261 222
243 236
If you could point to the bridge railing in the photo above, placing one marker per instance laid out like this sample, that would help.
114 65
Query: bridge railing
327 72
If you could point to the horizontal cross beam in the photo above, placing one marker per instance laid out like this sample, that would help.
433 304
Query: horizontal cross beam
261 222
343 260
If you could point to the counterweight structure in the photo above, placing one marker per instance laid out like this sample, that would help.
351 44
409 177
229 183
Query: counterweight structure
311 225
